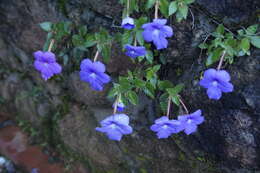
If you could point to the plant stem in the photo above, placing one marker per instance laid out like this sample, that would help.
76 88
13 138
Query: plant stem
169 107
183 105
156 9
96 56
127 8
221 60
116 103
135 42
51 45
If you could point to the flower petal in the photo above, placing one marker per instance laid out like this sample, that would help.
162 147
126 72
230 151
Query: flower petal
163 133
214 93
190 128
114 134
49 57
223 75
210 74
226 87
205 82
38 55
86 64
125 129
167 31
99 66
55 68
160 42
160 21
147 35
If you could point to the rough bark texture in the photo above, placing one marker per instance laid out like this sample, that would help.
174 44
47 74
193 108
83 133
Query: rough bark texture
229 140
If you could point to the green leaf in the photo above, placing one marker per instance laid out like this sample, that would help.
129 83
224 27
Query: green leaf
127 38
220 29
139 22
132 96
77 40
46 26
189 1
255 40
252 29
162 85
164 102
173 7
176 100
174 91
214 56
149 4
149 56
106 52
139 37
149 90
183 9
203 46
245 44
47 42
139 83
90 40
164 7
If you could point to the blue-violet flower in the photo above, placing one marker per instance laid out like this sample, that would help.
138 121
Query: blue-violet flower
128 23
94 74
157 32
115 126
45 62
165 127
134 51
216 81
190 122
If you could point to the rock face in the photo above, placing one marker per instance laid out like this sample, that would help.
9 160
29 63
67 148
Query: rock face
228 141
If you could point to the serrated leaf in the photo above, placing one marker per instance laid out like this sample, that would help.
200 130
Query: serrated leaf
106 52
139 37
149 56
203 46
132 96
149 4
46 26
213 56
149 90
252 29
183 9
220 29
174 91
176 100
164 102
189 1
245 44
162 85
255 40
47 42
164 7
173 7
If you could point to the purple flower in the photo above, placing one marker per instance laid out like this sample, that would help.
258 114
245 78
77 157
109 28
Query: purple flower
120 106
134 51
93 73
216 82
128 23
157 32
190 122
165 127
115 126
45 62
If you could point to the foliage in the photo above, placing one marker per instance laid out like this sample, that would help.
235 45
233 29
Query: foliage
233 45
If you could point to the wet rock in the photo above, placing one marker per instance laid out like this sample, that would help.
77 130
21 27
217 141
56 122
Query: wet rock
82 92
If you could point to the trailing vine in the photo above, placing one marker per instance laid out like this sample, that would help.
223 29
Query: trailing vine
141 40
